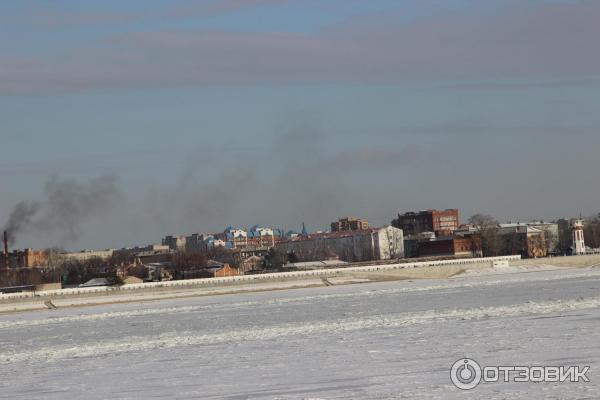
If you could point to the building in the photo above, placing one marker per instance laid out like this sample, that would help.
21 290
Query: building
157 272
578 239
466 229
218 270
132 252
551 234
522 239
351 246
411 243
349 224
176 243
225 270
443 223
251 264
233 238
196 243
27 258
86 255
260 236
454 246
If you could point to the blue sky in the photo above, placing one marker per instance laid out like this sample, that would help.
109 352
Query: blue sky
231 112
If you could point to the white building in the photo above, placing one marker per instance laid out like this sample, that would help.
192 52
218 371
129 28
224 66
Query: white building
352 246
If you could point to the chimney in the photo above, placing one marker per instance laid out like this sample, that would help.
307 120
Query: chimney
6 249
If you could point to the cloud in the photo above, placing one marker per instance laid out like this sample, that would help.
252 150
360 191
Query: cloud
555 40
208 8
54 18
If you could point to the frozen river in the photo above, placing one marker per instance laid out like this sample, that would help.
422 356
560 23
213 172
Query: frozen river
363 341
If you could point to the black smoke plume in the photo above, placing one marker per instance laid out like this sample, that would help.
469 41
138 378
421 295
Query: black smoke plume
67 203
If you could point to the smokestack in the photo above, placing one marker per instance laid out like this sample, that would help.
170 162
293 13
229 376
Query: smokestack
6 249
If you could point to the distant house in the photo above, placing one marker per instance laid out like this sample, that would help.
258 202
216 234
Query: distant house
219 271
157 272
252 263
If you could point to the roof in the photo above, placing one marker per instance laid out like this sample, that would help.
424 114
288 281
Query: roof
214 264
96 282
518 227
253 257
327 235
315 264
215 268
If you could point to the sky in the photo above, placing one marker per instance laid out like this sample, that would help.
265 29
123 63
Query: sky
205 114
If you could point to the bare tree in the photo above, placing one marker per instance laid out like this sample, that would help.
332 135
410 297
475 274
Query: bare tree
488 230
591 231
54 257
184 260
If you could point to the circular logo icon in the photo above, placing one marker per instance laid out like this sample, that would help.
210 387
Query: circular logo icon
465 374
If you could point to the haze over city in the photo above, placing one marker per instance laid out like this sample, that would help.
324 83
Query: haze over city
199 115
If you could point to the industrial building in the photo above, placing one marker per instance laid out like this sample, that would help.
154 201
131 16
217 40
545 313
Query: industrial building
442 222
351 246
27 258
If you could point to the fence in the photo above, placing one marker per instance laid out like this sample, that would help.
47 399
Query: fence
208 282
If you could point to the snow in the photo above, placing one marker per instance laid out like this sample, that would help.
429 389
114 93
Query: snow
393 339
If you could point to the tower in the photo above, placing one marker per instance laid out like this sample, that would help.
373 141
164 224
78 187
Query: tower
304 231
578 242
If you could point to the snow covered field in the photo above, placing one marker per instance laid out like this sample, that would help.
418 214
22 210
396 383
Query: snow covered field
383 340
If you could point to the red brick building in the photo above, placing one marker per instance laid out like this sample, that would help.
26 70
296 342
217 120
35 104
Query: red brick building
442 222
27 258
